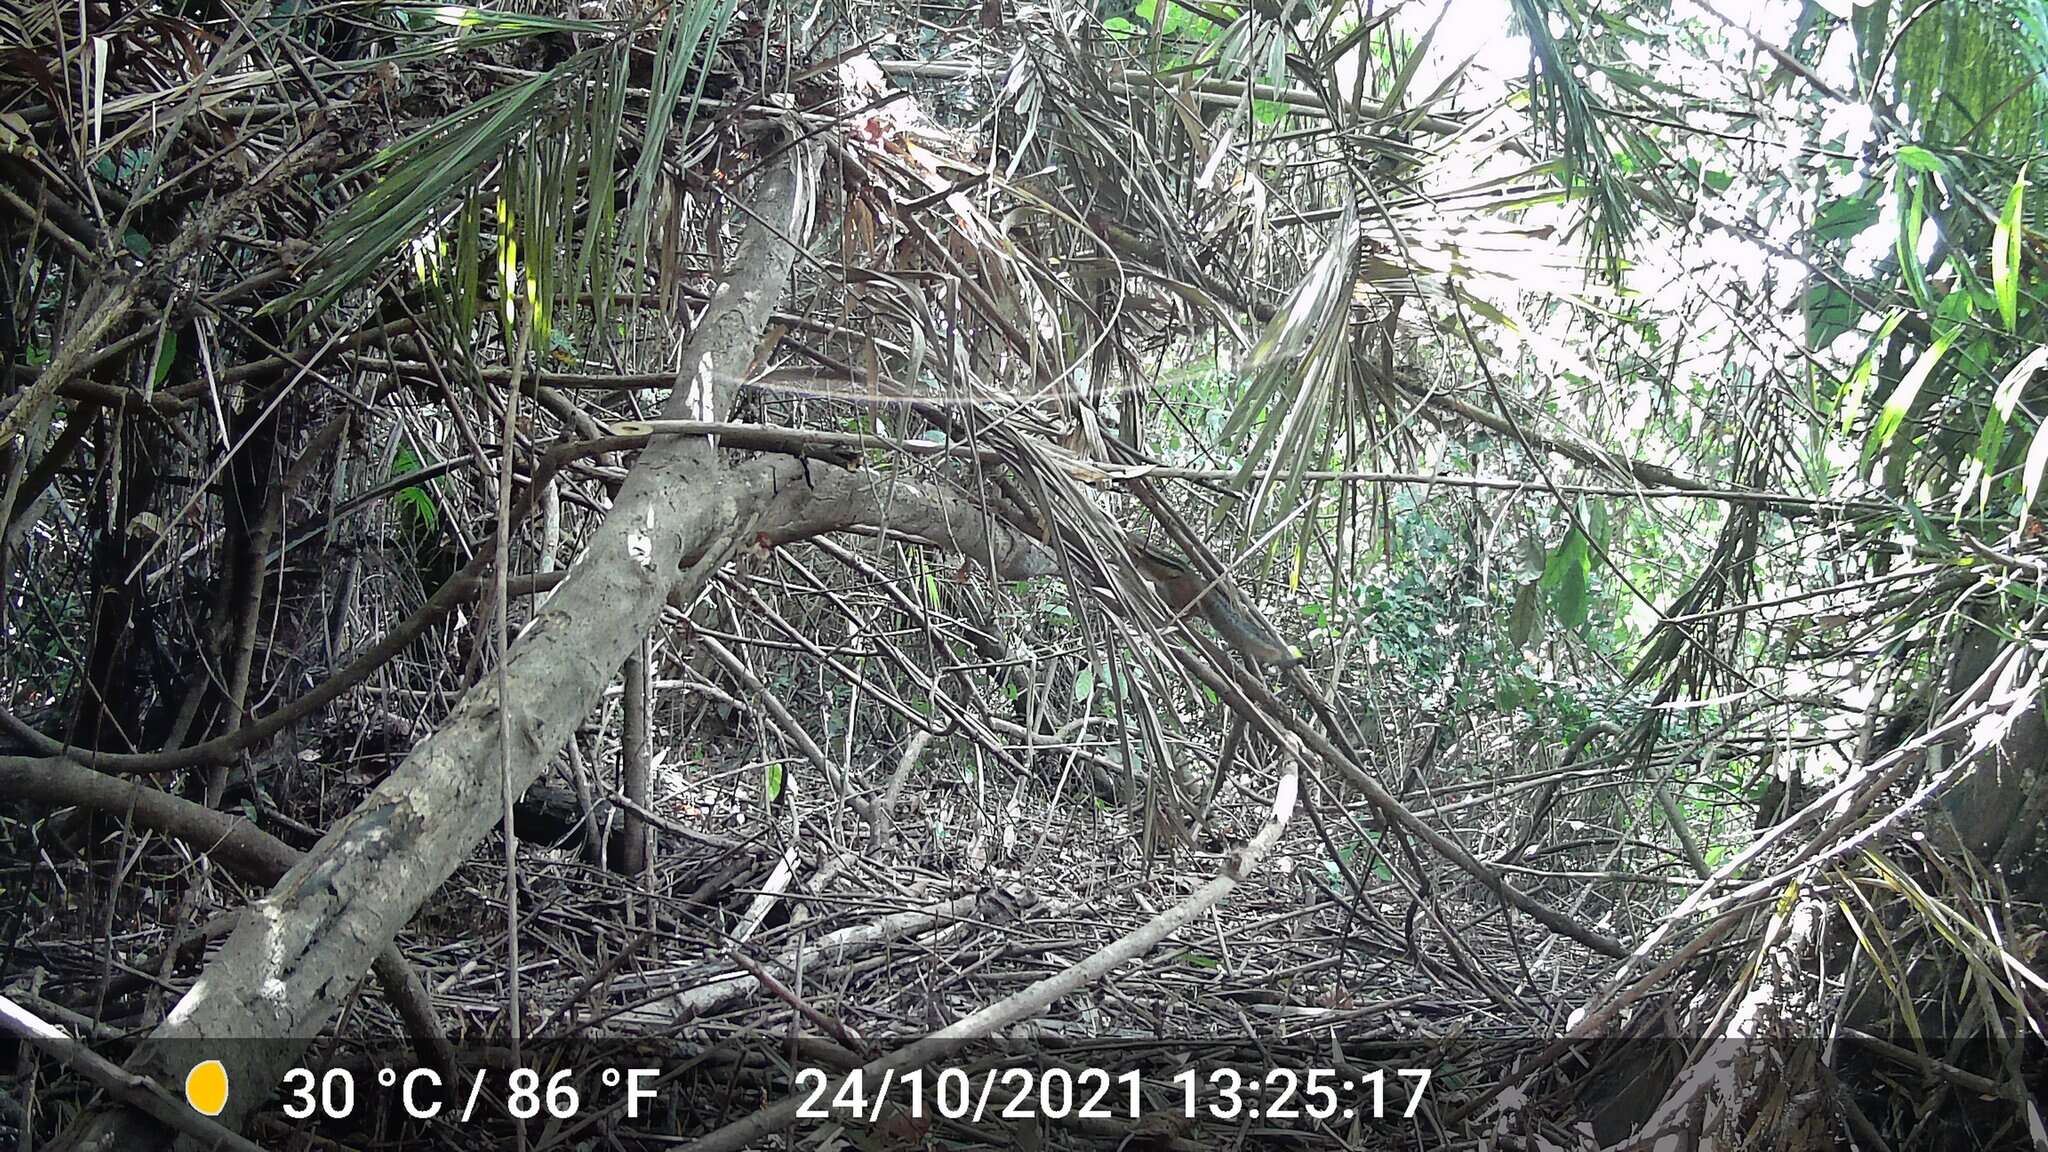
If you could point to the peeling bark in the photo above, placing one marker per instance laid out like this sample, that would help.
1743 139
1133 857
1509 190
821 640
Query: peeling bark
1759 1073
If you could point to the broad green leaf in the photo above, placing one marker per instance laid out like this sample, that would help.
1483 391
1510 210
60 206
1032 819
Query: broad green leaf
1565 579
2008 396
415 498
2005 256
2030 474
1960 307
1912 217
1570 601
1714 178
164 356
1489 311
1830 311
1526 615
772 783
1920 159
1901 400
1084 683
1840 220
1991 439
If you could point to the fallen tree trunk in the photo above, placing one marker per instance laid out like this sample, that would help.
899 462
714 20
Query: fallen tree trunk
1758 1074
238 845
299 952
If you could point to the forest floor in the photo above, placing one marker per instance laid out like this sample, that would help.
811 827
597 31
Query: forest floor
768 936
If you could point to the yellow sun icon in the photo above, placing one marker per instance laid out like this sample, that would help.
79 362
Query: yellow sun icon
206 1087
